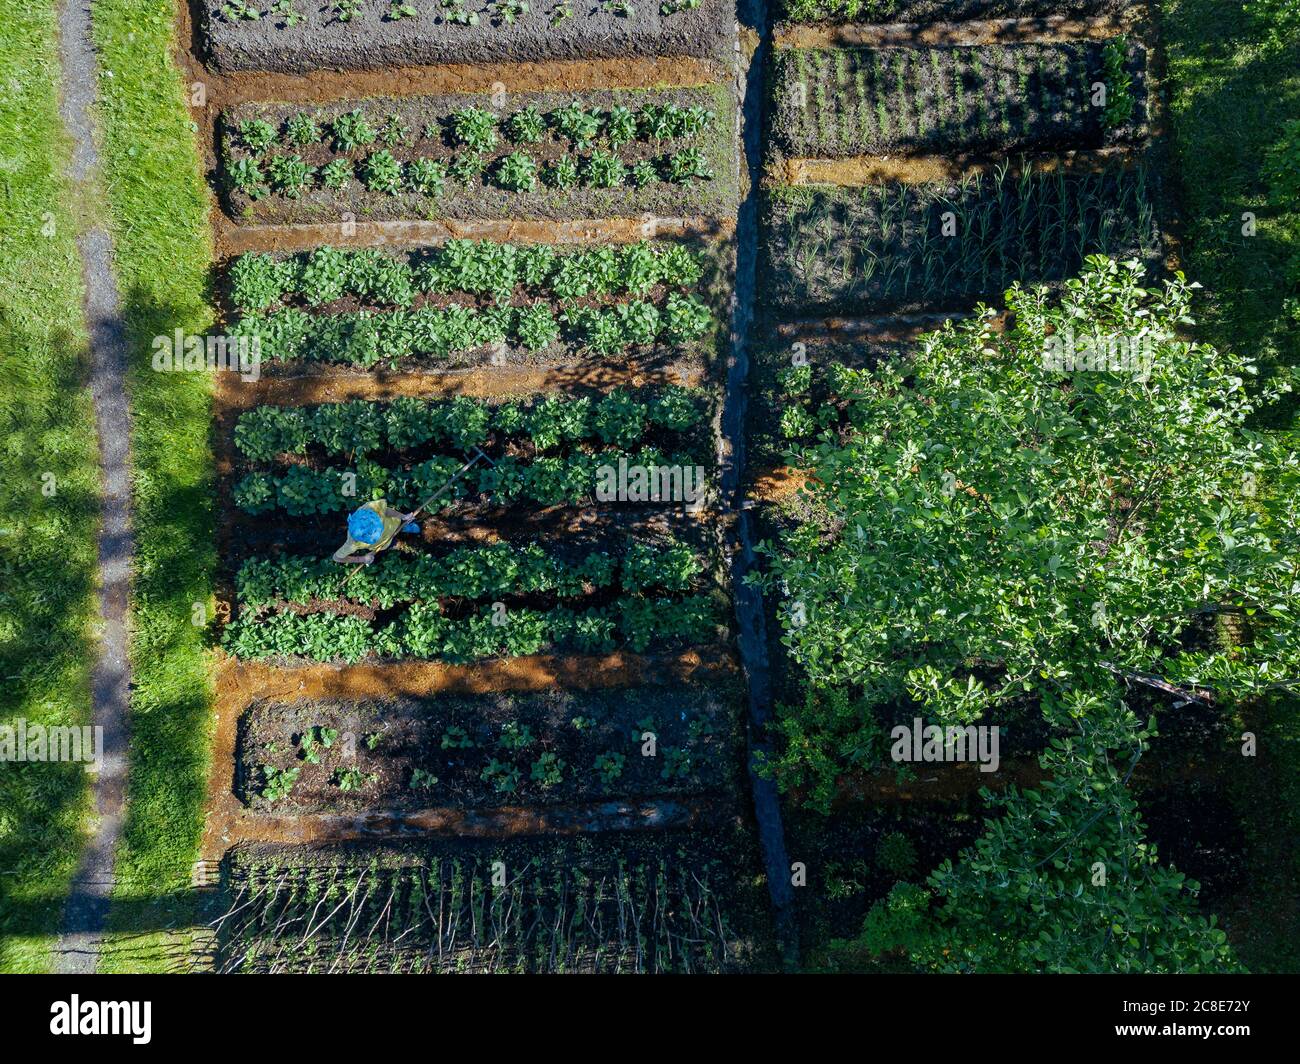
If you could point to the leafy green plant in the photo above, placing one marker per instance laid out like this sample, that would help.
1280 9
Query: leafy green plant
257 134
503 777
247 177
352 130
289 175
241 11
516 737
381 172
609 767
337 174
603 170
428 177
351 779
563 173
574 121
475 128
517 172
466 167
548 770
1120 101
526 126
456 738
301 129
277 783
508 12
422 780
896 855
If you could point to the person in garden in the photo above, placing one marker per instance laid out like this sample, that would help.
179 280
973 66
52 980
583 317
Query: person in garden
372 528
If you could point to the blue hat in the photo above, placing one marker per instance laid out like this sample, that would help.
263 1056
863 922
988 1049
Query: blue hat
365 526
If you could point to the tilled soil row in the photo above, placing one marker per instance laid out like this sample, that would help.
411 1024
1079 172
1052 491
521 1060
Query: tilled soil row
240 684
374 39
1048 29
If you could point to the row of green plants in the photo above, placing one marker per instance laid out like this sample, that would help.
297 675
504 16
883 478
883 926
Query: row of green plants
509 761
302 491
479 130
260 281
425 632
489 571
622 418
366 338
870 101
290 176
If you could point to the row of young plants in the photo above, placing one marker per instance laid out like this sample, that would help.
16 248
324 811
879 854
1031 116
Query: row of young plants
545 481
492 762
366 338
424 632
871 101
548 422
565 905
490 571
259 281
289 176
478 129
567 147
899 245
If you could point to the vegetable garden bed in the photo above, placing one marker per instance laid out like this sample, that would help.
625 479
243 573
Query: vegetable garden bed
297 36
878 11
883 248
476 302
599 154
563 905
867 101
551 748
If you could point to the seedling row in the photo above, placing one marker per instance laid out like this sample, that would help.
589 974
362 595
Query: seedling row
610 153
545 749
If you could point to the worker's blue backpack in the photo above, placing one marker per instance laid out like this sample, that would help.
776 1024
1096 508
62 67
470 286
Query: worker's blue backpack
365 526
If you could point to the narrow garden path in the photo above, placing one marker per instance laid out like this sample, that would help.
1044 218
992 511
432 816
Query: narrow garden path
751 622
85 915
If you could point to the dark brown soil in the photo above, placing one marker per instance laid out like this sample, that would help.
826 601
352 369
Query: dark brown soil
371 39
384 742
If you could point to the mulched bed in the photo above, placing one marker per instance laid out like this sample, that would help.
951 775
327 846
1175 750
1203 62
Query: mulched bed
878 11
697 752
372 39
884 248
835 103
480 199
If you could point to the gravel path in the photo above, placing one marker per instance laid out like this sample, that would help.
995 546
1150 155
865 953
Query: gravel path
86 913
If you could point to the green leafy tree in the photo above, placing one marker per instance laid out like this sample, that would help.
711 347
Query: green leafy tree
996 526
1062 881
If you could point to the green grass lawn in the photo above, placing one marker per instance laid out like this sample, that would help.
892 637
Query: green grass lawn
48 488
1230 98
159 220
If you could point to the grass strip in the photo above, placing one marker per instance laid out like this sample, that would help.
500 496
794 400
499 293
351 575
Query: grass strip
159 224
49 487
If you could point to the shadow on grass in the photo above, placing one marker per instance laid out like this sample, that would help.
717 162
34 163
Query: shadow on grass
49 509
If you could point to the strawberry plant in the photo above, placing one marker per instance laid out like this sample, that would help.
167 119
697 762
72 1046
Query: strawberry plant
428 177
381 172
337 174
277 782
422 780
352 130
609 767
526 126
548 770
475 128
257 135
517 172
301 129
289 175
